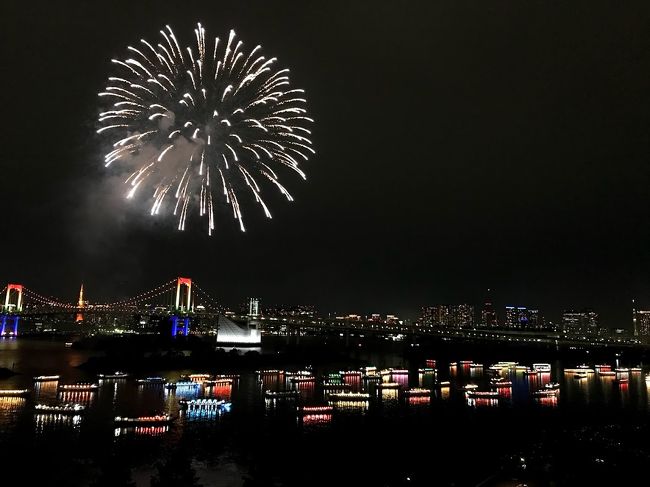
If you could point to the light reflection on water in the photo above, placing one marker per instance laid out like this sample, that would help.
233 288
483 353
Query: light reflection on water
126 397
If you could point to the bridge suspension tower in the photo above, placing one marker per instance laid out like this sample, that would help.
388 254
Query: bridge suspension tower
10 312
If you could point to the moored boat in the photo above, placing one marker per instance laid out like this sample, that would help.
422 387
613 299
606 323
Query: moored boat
14 392
144 420
542 367
47 378
546 393
281 394
218 382
152 380
416 392
482 395
114 375
182 384
67 408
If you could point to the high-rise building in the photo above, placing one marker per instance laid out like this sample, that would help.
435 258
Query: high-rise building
516 317
448 316
489 315
535 320
435 316
583 322
523 318
253 307
461 315
642 320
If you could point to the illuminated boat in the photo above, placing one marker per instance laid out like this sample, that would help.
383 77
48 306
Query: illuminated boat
542 367
14 392
394 371
114 375
80 386
388 385
476 366
579 370
300 380
482 395
47 378
218 382
333 379
369 370
622 370
269 372
197 377
466 362
546 393
453 364
552 386
186 384
312 410
443 383
349 397
532 372
349 373
205 404
501 383
622 380
67 408
152 380
281 394
301 373
521 368
144 420
602 367
426 370
372 378
636 369
469 387
234 377
416 392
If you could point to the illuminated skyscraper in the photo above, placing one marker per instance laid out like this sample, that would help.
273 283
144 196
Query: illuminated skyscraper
642 321
583 322
448 316
81 304
489 315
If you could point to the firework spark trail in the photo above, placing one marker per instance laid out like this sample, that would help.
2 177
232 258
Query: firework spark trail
176 113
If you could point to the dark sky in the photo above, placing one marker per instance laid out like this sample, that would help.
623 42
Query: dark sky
461 145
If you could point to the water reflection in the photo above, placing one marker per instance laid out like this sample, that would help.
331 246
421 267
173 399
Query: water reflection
49 422
78 397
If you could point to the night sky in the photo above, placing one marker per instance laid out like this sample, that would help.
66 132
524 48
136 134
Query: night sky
461 145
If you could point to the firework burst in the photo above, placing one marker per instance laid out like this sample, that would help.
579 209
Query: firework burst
197 124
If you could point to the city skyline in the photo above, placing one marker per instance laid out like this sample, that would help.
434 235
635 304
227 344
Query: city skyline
484 314
532 182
